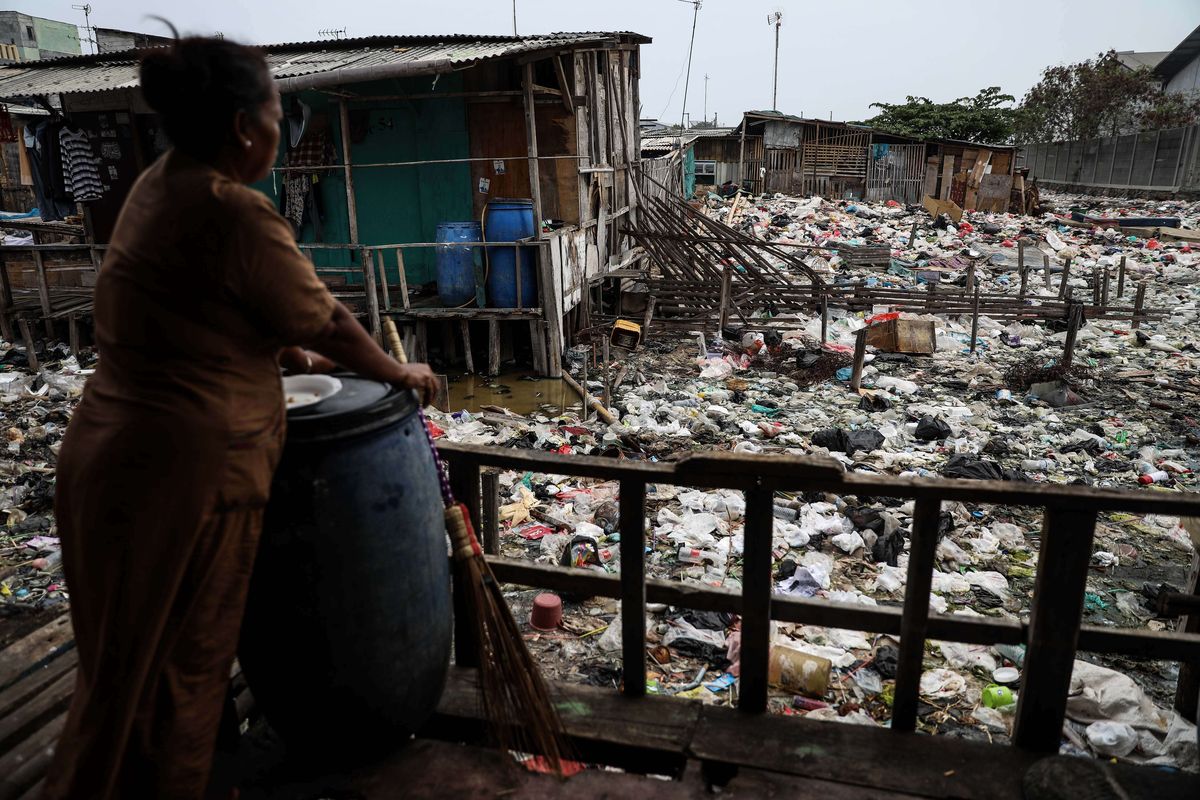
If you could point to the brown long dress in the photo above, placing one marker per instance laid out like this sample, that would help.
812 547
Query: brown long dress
165 470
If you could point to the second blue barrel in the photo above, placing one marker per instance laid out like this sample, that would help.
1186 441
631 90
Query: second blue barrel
456 264
509 220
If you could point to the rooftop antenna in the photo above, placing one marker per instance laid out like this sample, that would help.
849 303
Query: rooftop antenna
514 17
332 33
683 111
89 35
775 18
706 98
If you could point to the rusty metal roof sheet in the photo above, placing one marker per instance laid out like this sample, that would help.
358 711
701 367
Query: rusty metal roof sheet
94 73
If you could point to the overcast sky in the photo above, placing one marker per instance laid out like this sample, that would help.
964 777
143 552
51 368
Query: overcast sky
835 58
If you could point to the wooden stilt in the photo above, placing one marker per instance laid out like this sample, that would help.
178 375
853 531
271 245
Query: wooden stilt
28 338
493 347
73 333
1046 270
422 342
464 328
860 358
537 343
1063 289
1104 288
726 286
1021 268
1121 278
1139 300
1074 320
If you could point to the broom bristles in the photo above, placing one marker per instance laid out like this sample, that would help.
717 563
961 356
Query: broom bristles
516 701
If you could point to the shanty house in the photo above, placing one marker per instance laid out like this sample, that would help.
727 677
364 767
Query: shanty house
386 139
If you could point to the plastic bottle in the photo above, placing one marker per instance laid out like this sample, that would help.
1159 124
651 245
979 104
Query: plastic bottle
1157 476
693 555
1037 464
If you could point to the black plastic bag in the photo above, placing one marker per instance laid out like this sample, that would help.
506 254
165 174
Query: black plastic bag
931 429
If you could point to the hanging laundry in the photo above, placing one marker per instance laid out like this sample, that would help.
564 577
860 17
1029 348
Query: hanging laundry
53 195
302 197
81 168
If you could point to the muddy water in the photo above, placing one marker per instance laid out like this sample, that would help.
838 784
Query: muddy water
511 390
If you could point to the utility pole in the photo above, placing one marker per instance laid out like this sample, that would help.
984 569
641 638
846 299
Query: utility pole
706 98
683 111
514 17
775 18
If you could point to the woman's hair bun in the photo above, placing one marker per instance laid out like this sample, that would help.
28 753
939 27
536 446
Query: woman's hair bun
198 84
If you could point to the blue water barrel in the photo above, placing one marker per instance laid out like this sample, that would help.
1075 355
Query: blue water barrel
456 265
507 221
346 638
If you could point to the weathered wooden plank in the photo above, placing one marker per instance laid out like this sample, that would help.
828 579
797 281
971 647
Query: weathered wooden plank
914 623
23 766
22 720
868 757
633 587
756 600
23 690
27 654
1066 548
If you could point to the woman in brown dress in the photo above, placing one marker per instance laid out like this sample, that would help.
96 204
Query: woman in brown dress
166 465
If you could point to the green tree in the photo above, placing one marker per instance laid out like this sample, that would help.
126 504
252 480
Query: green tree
982 118
1099 97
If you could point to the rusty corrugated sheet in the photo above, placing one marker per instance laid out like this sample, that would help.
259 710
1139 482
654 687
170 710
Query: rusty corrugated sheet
83 74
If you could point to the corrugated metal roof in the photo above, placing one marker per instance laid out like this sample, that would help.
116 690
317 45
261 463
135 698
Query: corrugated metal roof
94 73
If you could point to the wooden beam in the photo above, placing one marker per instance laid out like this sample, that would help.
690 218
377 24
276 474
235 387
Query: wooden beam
914 623
633 587
493 347
489 511
464 483
464 328
860 357
1057 608
756 600
1187 689
351 203
568 96
1120 270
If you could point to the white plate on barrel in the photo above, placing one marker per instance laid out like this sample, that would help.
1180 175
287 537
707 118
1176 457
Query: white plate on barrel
306 390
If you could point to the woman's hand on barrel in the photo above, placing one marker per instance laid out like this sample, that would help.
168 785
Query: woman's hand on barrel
418 377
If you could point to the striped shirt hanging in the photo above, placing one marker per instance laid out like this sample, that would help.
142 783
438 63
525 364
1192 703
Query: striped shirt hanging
81 168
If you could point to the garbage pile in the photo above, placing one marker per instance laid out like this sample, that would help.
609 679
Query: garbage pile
1124 414
34 412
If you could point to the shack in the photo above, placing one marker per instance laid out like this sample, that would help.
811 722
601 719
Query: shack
774 152
393 145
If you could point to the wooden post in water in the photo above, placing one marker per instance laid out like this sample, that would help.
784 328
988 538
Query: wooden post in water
1074 321
1021 268
1139 300
1062 284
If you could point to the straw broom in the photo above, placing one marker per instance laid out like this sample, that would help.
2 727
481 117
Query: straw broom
516 702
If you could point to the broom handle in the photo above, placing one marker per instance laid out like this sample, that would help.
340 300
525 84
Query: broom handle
393 337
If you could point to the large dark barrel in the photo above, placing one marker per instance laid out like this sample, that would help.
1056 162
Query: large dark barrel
346 638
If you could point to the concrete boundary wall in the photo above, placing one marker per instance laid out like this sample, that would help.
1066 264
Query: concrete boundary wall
1166 161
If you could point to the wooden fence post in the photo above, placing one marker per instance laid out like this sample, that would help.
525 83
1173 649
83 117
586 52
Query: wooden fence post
756 600
632 502
916 613
1062 568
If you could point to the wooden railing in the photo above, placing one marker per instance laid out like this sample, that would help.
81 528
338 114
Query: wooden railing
1052 635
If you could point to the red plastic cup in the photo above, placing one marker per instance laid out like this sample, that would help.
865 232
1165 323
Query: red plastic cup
547 612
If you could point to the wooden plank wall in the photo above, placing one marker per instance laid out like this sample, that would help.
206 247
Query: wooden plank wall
496 129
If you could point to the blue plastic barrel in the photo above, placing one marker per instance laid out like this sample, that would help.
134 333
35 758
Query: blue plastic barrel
509 220
346 637
456 265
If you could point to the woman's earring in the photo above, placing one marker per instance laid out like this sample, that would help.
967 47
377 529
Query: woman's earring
247 143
